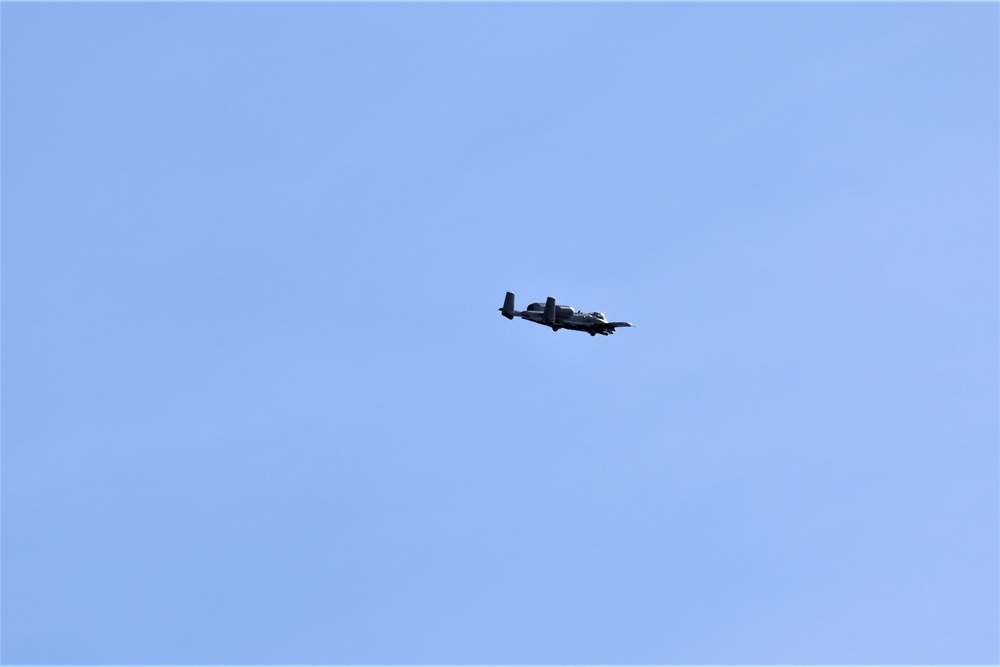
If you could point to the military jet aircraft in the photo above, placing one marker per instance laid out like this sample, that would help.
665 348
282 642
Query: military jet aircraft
561 317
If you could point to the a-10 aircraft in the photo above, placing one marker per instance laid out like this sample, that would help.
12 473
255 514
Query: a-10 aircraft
561 317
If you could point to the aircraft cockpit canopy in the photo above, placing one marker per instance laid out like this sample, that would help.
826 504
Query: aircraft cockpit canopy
598 315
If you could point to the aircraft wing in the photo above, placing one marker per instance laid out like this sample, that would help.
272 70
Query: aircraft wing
607 328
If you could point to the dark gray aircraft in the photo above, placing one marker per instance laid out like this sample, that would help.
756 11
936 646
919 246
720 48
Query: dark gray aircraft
561 317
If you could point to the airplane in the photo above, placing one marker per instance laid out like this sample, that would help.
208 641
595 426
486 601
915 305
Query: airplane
561 317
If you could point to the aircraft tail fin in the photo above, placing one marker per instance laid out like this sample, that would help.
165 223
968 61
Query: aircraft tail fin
550 311
508 306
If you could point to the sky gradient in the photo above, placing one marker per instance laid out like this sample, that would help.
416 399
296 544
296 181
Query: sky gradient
259 405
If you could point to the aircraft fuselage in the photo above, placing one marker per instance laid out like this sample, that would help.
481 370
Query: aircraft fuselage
561 317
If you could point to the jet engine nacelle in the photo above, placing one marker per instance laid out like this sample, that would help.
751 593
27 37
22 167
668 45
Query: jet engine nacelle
558 312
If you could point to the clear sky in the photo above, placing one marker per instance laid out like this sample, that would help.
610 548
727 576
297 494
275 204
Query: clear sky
259 405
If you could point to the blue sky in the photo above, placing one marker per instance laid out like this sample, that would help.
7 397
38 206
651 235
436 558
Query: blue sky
259 405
